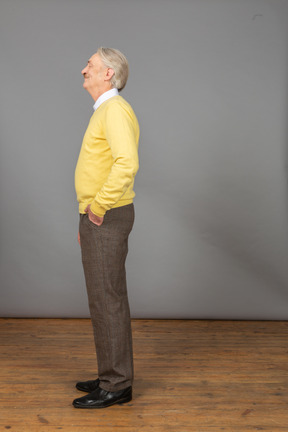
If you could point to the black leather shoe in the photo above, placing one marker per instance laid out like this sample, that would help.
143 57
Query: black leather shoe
100 398
88 386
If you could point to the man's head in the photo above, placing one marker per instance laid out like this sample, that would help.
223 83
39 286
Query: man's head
106 69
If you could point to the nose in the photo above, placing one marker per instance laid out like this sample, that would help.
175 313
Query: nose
84 70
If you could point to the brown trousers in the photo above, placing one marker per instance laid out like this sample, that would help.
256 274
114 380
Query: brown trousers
104 250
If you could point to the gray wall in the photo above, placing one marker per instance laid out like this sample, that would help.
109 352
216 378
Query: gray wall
209 85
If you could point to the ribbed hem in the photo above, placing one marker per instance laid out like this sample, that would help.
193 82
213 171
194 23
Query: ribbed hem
100 211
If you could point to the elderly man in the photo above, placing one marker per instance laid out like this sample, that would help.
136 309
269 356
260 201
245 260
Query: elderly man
104 180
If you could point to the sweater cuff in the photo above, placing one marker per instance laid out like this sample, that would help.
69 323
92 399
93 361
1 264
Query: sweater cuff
97 209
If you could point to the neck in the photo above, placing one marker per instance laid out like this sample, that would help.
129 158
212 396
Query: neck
96 93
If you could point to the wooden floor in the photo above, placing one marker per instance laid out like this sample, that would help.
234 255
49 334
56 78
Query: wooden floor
191 376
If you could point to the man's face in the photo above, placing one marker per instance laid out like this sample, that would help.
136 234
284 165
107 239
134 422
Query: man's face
94 74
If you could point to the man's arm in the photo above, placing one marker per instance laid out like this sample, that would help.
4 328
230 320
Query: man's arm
122 139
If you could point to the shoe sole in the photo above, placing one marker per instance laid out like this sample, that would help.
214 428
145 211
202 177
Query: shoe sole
119 402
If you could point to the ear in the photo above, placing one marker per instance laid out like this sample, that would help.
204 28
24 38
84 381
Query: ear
109 74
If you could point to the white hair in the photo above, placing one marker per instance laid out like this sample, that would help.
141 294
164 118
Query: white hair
114 59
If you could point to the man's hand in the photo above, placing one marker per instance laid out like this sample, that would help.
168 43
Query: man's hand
97 220
79 238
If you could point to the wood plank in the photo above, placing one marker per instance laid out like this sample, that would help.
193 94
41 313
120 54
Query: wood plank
190 375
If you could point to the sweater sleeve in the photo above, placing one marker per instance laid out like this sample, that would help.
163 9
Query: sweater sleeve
121 137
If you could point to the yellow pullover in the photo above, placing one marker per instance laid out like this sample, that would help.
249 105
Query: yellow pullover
108 160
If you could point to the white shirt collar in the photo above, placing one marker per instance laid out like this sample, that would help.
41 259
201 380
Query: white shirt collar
105 96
